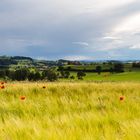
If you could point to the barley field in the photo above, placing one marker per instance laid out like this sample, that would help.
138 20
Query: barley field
70 111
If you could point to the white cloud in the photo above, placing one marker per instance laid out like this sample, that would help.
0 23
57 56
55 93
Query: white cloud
124 35
81 43
59 28
78 57
137 47
129 24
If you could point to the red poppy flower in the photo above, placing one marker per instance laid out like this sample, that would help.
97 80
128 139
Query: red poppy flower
2 87
22 97
121 98
2 83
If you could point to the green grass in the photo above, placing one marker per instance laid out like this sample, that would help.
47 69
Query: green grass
126 76
127 67
70 111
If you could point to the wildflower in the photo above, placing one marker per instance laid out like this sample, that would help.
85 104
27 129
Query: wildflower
44 87
121 98
22 97
2 87
2 83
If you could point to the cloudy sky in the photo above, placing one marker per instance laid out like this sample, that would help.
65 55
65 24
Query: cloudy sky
70 29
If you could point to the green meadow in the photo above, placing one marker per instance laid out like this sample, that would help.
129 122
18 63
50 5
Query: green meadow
70 111
126 76
108 77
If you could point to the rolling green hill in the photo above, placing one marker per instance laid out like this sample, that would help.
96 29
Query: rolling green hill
16 62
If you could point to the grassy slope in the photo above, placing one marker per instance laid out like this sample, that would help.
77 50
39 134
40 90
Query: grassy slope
127 76
127 67
70 111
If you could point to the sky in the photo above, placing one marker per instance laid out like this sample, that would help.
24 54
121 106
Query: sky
70 29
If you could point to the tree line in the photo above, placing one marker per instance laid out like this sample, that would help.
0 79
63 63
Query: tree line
116 68
51 74
25 74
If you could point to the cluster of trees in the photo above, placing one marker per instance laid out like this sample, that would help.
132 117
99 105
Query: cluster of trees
50 74
25 74
66 74
116 68
136 65
80 75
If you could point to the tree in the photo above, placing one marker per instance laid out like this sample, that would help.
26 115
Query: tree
37 76
118 67
62 73
50 75
2 73
31 76
21 74
7 72
111 70
69 68
60 68
98 69
11 75
137 65
34 76
80 74
66 74
72 77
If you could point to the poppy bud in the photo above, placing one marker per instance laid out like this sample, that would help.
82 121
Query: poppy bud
22 97
2 83
121 98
